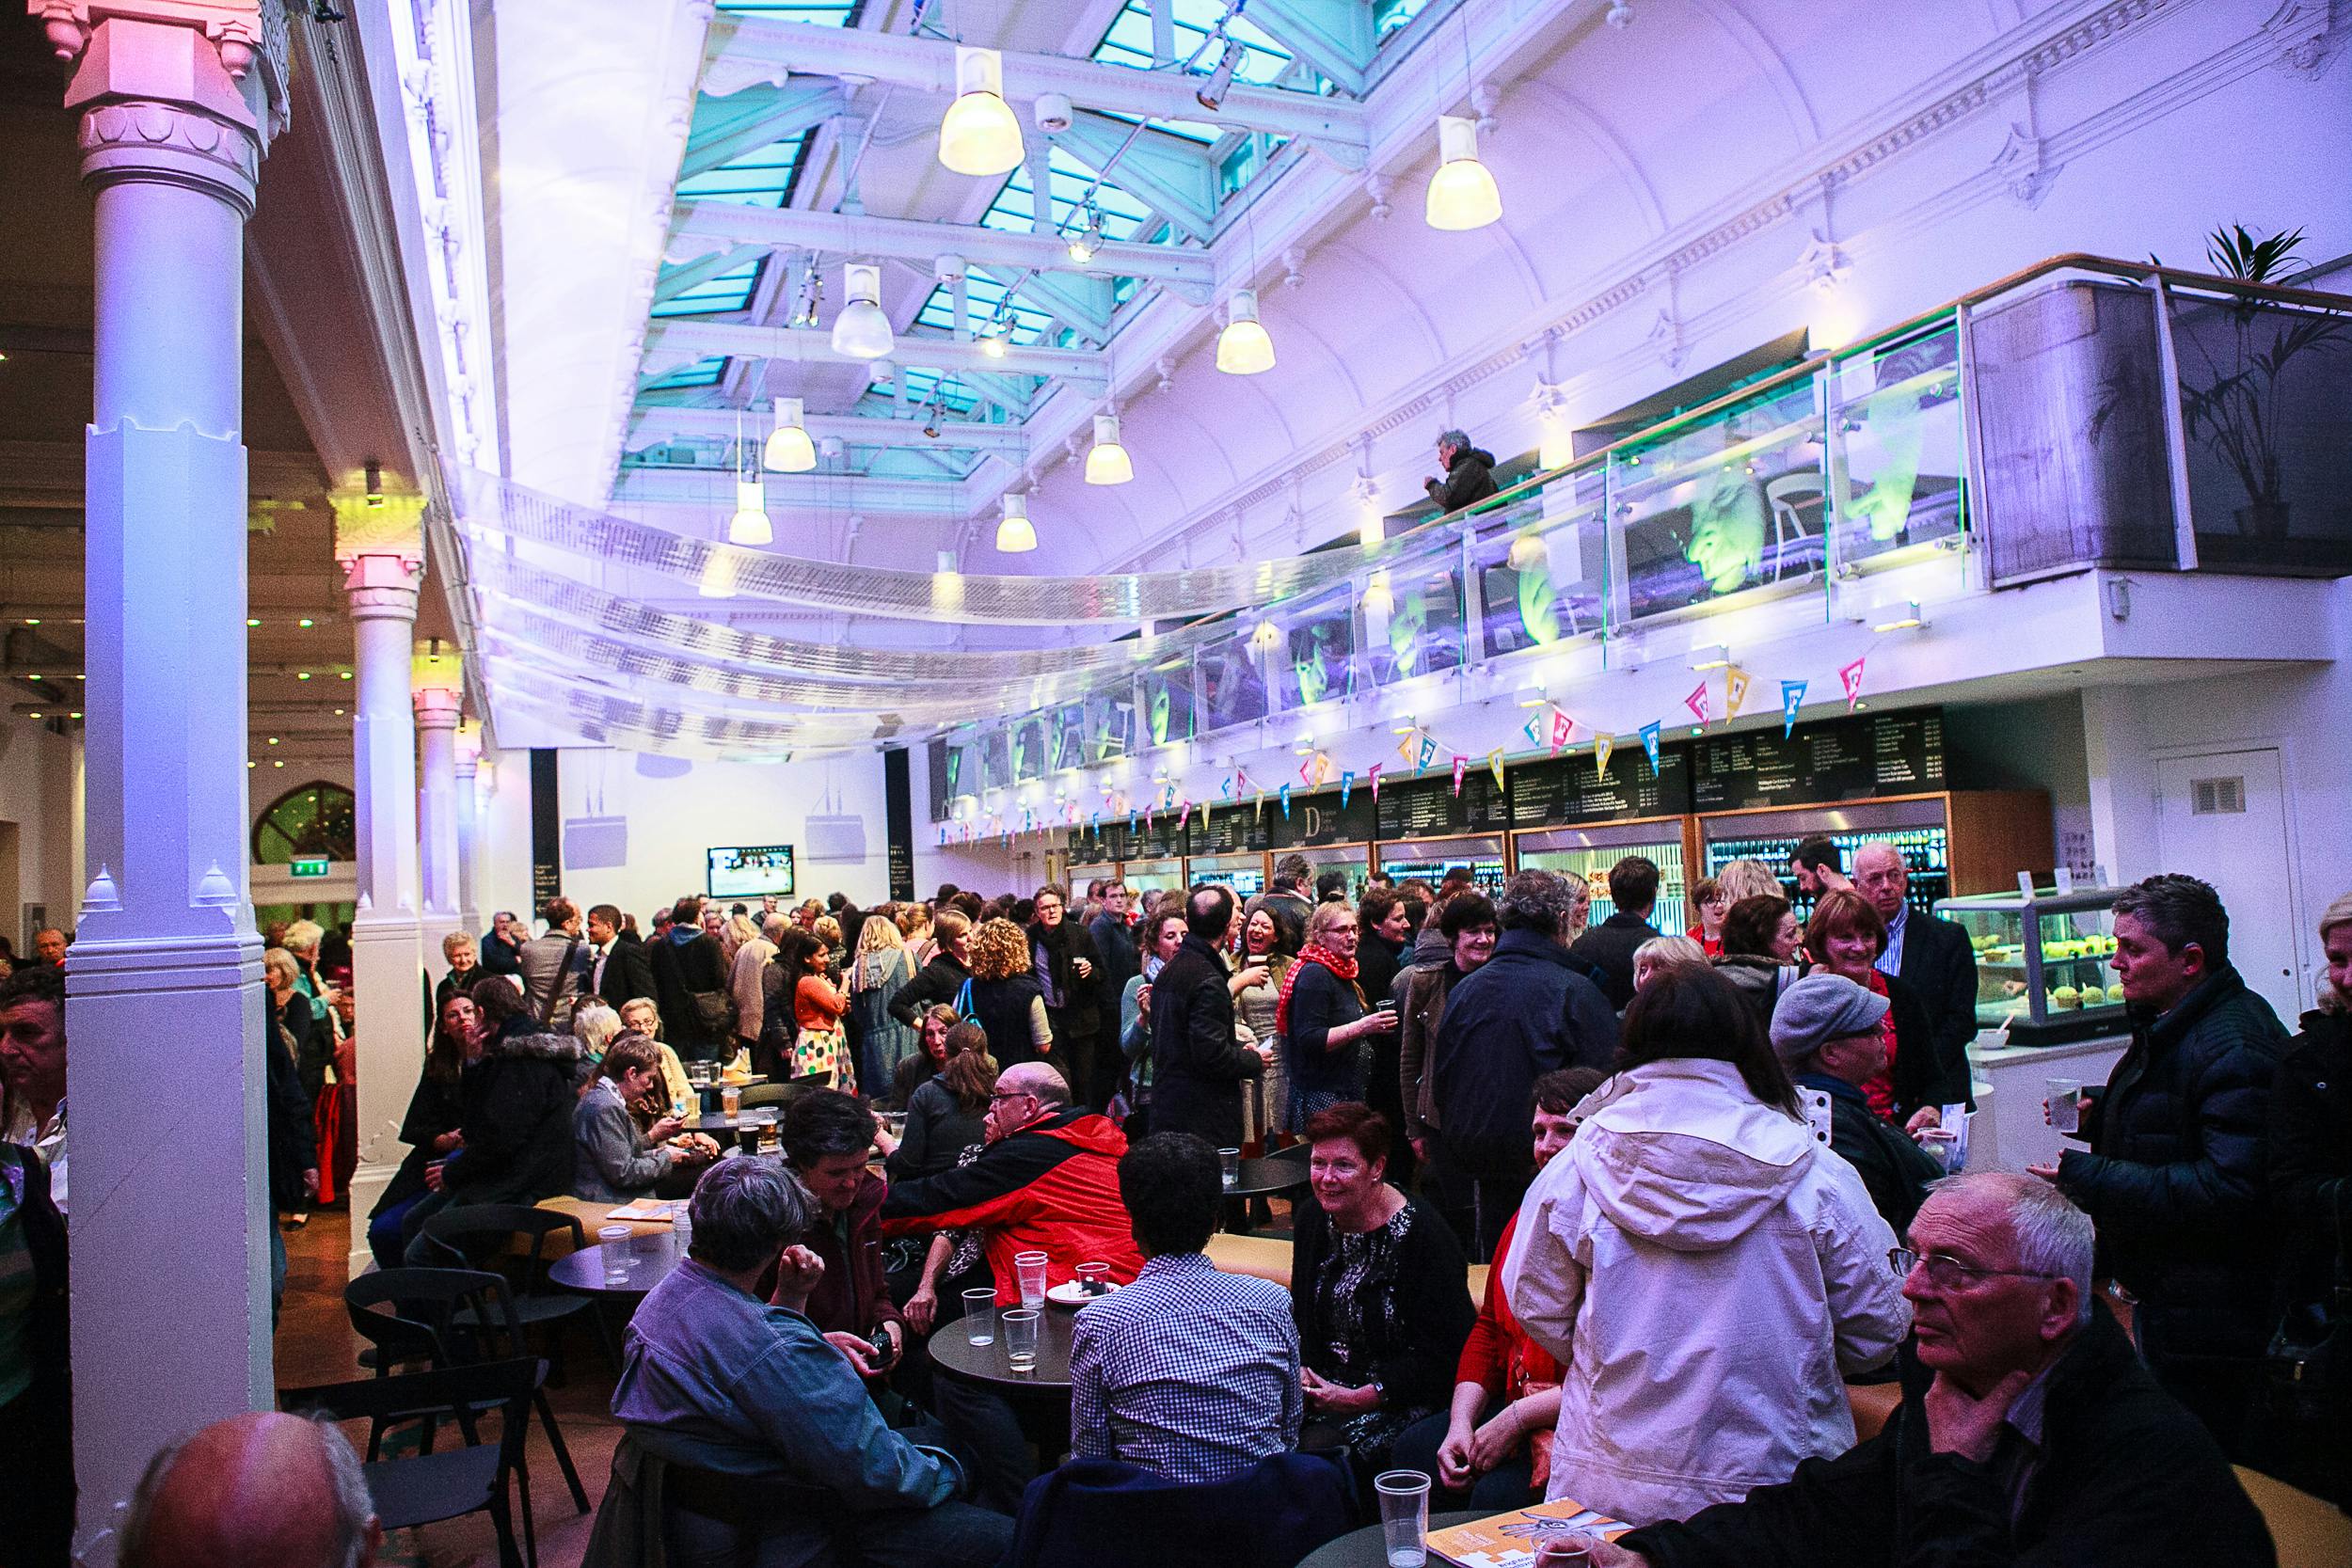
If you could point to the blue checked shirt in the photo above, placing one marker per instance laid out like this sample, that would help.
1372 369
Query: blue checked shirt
1189 1372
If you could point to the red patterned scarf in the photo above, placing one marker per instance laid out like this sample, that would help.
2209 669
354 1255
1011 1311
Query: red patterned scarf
1313 953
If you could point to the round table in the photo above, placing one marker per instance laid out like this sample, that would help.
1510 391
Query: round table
1269 1178
651 1256
957 1356
1366 1548
719 1121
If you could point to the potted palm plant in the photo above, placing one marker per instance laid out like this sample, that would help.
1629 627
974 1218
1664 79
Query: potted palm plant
2236 414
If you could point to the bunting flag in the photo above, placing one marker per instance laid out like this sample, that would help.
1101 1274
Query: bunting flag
1307 769
1405 747
1225 788
1460 763
1850 677
1286 803
1204 816
1428 750
1376 783
1734 691
1259 808
1696 702
1183 812
1149 821
1347 787
1494 765
1562 727
1534 729
1324 768
1649 744
1604 746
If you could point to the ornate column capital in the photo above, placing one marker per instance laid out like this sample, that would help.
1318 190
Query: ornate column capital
379 543
187 92
438 685
468 749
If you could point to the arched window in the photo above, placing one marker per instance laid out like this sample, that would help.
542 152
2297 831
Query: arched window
314 820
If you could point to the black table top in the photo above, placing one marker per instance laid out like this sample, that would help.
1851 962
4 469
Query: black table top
651 1257
955 1357
1366 1548
1269 1178
719 1121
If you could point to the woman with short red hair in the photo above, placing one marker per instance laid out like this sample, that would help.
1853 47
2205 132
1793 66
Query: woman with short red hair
1844 936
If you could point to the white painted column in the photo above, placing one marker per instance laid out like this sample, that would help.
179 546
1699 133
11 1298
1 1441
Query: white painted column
381 547
468 768
439 699
169 1206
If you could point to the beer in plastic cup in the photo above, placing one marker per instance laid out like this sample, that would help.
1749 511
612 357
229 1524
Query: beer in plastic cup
2065 1104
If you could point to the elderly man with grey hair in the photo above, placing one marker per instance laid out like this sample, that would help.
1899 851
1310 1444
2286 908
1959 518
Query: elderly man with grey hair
1469 473
262 1490
2030 1432
1528 1010
776 1453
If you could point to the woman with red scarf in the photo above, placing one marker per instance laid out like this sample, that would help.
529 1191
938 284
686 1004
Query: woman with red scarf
1321 1015
1846 937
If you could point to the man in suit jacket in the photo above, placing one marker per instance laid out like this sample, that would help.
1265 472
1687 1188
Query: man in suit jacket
1931 956
618 971
1197 1064
1609 947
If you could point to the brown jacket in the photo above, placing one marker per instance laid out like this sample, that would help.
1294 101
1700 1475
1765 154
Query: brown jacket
1422 1010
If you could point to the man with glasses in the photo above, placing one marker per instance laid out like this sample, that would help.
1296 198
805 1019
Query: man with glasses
2028 1432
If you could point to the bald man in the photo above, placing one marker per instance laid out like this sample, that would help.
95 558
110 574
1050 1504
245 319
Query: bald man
1935 959
260 1490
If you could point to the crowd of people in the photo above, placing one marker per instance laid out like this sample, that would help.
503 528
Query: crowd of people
1708 1165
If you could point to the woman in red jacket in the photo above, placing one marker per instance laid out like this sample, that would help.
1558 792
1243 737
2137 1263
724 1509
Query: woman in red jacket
1492 1451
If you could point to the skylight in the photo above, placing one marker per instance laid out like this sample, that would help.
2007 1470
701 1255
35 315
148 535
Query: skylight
702 373
1128 41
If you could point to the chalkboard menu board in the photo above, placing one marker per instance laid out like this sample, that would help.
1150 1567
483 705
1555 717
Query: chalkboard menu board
1088 848
1233 829
1158 839
1842 759
1428 808
1569 791
1318 820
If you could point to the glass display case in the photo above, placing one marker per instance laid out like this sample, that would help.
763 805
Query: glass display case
1590 851
1142 877
1926 849
1244 872
1431 859
1354 859
2042 962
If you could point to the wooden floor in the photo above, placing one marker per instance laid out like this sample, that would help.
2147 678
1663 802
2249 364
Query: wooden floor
315 1344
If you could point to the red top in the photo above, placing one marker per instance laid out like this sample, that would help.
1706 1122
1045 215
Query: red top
1498 1355
1879 1089
818 1004
1714 945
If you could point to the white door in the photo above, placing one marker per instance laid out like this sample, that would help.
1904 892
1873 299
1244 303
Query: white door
2223 817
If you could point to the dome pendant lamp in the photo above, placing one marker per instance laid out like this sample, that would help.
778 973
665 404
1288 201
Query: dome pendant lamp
718 578
1015 536
981 134
750 524
860 331
789 450
1244 348
1106 461
1462 193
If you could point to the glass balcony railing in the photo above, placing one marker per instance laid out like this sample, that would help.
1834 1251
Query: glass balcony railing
2084 413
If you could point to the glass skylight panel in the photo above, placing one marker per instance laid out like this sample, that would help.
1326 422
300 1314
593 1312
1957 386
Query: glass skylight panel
1390 16
761 177
729 291
702 373
921 384
1128 42
984 295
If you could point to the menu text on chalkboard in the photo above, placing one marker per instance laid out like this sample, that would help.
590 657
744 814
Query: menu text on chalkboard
1569 791
1232 828
1839 759
1320 820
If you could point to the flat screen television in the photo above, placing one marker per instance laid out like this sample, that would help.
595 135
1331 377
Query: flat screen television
748 871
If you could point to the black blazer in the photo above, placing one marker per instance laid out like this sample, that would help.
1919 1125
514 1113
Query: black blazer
627 974
1941 968
1197 1064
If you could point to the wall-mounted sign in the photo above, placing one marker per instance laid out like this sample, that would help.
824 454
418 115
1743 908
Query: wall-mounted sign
309 865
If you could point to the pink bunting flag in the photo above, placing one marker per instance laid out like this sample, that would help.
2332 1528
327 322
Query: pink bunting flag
1460 763
1850 677
1562 727
1375 781
1696 702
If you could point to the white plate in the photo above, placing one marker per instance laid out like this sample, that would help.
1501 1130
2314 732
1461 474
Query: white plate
1069 1295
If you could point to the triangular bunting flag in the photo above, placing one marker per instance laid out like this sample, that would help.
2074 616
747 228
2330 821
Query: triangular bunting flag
1850 678
1734 691
1562 727
1604 746
1347 787
1428 750
1696 702
1649 744
1535 730
1460 763
1375 782
1494 765
1286 803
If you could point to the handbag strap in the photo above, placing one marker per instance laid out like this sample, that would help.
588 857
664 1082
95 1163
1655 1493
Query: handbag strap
545 1011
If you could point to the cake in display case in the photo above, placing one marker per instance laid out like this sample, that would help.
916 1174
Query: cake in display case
2042 962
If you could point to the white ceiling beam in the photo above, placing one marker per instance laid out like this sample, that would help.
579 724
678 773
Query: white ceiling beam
756 117
672 344
744 50
675 280
704 226
1074 299
1171 176
1333 35
652 422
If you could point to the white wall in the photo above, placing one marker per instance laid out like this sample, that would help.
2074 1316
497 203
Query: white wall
672 810
40 792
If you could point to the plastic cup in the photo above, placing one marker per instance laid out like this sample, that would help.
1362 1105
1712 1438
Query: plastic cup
1094 1279
1229 1165
979 1317
1565 1551
614 1247
730 1099
1031 1266
2065 1095
1404 1517
1021 1338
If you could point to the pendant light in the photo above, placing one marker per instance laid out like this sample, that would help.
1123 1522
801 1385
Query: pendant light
718 578
981 134
789 450
1244 348
750 524
1106 461
1462 193
1378 600
861 330
1013 534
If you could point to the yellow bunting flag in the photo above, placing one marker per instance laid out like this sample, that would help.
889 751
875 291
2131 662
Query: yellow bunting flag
1604 746
1734 691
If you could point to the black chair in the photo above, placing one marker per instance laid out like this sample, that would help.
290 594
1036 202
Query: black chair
431 1487
511 1239
771 1094
423 1324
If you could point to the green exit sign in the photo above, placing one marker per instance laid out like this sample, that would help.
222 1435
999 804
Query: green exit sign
311 865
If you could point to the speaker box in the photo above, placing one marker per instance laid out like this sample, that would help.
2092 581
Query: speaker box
836 838
595 842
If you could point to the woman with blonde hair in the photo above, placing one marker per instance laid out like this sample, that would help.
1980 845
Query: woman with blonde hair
1007 1001
732 936
880 967
1740 879
1320 1017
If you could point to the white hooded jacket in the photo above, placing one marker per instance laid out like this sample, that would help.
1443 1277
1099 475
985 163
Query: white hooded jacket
1705 1270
